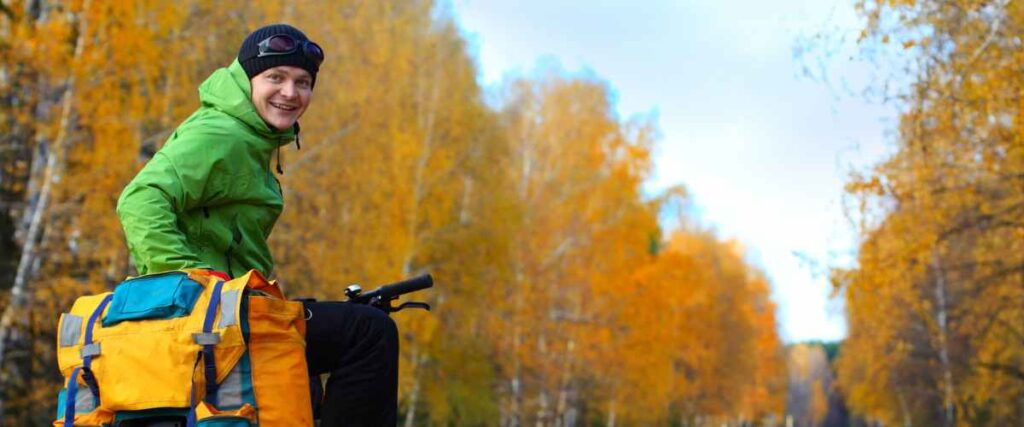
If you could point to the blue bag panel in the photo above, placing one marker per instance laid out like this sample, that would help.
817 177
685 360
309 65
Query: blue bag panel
157 296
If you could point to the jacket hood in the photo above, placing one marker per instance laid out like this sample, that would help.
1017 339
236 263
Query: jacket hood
228 90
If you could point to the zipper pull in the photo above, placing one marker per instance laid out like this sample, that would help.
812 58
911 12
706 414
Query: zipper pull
280 170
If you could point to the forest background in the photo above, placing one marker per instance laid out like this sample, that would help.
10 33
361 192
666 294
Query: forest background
561 300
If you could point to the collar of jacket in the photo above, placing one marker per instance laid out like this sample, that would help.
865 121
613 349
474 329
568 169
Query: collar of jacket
228 90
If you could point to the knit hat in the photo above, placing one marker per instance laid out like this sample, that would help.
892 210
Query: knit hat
254 65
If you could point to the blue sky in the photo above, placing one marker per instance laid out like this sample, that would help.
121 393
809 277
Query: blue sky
763 149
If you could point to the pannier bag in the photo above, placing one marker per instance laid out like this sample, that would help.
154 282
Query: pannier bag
184 347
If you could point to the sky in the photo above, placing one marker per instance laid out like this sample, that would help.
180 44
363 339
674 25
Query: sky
763 147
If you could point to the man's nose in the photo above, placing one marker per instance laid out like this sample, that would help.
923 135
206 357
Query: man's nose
288 89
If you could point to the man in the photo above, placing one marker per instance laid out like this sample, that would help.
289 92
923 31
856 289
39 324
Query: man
208 199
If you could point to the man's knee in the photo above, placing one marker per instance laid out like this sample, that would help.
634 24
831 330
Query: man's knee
378 324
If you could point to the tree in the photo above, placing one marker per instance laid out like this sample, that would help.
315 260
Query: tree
529 211
935 301
91 92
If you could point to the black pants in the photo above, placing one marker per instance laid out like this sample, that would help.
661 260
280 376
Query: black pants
358 346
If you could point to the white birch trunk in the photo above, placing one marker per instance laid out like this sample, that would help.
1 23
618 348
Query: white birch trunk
543 410
941 317
414 394
904 410
515 400
516 383
562 404
419 191
20 291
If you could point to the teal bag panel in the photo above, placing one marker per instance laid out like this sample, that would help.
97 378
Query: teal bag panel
61 399
156 296
147 416
224 421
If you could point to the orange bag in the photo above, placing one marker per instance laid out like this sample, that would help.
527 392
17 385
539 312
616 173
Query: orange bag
149 349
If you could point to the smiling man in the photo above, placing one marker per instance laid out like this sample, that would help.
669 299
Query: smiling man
209 200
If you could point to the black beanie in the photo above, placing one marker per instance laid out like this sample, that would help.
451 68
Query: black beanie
253 66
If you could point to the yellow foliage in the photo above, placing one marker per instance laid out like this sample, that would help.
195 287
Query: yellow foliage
936 292
556 288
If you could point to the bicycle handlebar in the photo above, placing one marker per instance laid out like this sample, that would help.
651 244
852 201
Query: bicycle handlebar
406 286
382 296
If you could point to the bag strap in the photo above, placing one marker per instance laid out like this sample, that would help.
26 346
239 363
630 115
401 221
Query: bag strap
190 420
208 339
88 351
91 349
69 398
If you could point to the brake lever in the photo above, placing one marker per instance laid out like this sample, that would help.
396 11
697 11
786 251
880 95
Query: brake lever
411 304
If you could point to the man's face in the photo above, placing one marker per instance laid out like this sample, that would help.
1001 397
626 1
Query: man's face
281 94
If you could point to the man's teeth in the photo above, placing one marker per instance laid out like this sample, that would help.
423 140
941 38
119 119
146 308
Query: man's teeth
283 107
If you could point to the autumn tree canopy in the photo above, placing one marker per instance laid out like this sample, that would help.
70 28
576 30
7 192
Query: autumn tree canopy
560 300
936 300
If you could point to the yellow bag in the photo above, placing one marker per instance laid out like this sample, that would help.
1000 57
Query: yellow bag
148 350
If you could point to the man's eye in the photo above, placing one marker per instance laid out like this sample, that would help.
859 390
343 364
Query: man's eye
274 78
305 84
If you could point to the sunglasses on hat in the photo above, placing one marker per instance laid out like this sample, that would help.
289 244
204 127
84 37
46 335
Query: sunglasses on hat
283 44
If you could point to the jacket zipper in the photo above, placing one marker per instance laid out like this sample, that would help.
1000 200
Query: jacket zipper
236 238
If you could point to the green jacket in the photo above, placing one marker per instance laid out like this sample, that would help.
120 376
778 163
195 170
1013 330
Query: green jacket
208 198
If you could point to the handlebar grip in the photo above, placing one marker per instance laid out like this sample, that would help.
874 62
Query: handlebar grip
410 285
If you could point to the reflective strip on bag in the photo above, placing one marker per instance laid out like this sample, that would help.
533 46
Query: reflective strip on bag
229 394
70 329
85 402
228 307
